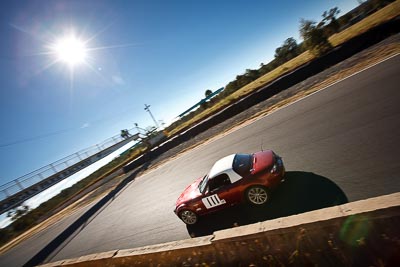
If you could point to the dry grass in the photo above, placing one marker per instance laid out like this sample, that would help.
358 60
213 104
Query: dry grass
372 57
385 14
247 89
368 60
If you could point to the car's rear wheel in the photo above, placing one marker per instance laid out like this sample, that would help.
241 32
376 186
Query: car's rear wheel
257 195
188 217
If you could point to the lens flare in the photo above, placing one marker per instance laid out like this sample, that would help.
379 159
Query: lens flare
355 230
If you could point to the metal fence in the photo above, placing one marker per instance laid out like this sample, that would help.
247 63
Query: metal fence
38 175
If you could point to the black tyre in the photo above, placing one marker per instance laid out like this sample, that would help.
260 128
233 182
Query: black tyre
257 195
188 217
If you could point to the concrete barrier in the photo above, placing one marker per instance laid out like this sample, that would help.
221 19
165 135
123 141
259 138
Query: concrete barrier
362 233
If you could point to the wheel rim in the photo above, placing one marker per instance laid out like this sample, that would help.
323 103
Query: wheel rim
257 195
188 217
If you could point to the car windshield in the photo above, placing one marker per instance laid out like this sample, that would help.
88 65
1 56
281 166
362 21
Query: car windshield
203 183
242 164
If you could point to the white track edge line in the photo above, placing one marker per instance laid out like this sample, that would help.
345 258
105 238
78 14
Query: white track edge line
279 109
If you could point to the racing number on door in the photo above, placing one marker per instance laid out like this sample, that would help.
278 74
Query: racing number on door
212 201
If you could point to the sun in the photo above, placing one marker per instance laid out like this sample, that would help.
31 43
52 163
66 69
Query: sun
70 50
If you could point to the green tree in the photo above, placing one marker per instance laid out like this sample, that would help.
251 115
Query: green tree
314 37
252 74
205 104
265 68
18 213
329 19
246 78
231 87
344 21
287 51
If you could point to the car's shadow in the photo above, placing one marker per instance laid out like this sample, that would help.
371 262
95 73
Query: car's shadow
301 192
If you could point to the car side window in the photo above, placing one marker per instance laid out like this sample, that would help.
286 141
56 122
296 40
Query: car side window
218 182
242 164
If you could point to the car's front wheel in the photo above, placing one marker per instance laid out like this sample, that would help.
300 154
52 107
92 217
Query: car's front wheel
188 217
257 195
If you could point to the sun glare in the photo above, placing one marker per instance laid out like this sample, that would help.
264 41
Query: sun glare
70 50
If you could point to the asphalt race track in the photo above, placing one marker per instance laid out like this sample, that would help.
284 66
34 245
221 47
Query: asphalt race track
340 144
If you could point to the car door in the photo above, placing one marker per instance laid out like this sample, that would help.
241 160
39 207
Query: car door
219 192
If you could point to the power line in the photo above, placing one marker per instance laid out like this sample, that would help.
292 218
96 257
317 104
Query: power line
21 141
30 139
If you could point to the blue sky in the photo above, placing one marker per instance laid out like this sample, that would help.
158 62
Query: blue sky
162 53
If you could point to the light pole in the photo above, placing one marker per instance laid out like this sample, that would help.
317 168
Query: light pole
146 107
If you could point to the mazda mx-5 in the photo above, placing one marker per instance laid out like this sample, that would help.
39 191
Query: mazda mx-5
233 179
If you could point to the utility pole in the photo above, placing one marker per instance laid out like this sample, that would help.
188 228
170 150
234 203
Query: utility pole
147 108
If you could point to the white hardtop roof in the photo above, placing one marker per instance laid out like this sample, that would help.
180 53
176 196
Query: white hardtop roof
224 165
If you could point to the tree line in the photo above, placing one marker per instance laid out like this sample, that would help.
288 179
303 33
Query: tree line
315 39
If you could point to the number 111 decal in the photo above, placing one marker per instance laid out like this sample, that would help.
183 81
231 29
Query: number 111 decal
213 201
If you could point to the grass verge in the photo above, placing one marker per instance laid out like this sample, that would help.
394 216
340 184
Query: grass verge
381 16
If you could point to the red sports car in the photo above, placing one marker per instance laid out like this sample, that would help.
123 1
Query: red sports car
232 179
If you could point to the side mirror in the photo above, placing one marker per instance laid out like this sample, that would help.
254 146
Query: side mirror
206 191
